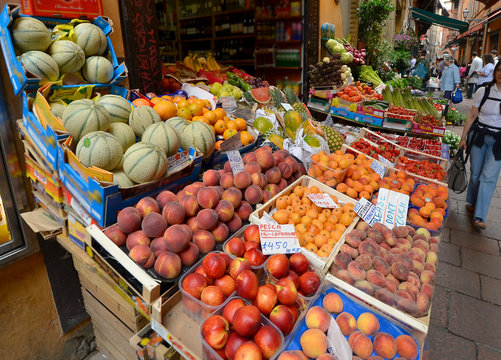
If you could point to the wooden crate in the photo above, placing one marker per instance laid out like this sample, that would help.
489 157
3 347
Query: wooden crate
321 263
144 351
112 335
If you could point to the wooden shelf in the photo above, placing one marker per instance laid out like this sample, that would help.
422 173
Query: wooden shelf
296 17
287 68
241 62
229 12
194 40
240 36
280 42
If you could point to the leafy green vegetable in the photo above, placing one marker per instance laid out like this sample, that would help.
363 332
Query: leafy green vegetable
367 74
456 117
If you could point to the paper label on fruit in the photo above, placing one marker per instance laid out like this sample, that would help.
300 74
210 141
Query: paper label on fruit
228 102
391 208
328 120
236 163
231 143
177 162
322 200
338 345
278 239
378 168
384 160
365 210
287 107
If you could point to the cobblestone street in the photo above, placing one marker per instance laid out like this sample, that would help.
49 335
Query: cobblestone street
466 310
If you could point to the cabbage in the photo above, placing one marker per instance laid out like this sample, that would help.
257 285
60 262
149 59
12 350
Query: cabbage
334 47
346 58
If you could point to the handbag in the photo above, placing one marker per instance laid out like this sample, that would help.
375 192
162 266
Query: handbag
457 179
457 97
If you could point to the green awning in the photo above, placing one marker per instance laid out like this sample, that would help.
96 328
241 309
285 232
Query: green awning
439 20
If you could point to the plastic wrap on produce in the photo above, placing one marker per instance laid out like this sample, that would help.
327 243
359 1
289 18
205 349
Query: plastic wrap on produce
301 150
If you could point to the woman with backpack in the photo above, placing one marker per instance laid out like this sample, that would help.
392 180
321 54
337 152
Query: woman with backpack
422 69
482 140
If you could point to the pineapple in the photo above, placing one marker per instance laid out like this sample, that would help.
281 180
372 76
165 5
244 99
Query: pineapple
295 103
334 138
277 97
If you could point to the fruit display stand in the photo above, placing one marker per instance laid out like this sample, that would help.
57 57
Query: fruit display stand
21 79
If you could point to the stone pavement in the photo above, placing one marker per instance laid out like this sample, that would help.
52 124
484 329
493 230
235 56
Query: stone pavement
466 306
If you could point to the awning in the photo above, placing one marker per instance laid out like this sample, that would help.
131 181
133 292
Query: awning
439 20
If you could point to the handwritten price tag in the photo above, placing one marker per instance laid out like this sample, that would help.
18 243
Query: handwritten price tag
391 208
378 168
278 239
322 200
384 160
236 163
232 143
287 107
365 210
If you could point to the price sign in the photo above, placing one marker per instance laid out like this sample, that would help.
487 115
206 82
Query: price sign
365 210
287 107
278 239
384 160
378 168
236 163
232 143
391 208
228 102
322 200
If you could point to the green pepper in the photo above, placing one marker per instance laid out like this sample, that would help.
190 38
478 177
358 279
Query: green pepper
234 82
232 76
244 86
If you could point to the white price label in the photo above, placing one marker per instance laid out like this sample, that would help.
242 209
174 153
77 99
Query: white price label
378 168
365 210
384 160
391 208
287 107
236 163
228 103
322 200
278 239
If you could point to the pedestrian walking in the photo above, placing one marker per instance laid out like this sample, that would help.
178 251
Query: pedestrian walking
422 69
494 54
449 81
486 74
476 65
482 140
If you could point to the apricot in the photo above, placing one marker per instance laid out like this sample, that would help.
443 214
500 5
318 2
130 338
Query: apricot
317 318
347 323
368 324
361 344
313 343
407 347
332 303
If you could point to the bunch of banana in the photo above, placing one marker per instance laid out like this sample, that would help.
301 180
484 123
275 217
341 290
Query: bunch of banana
195 63
212 64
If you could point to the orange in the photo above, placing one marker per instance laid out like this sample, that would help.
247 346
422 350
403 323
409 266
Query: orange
183 103
220 126
218 144
184 113
211 116
229 133
207 103
246 138
166 109
196 109
178 99
156 100
220 113
231 125
241 124
167 97
141 102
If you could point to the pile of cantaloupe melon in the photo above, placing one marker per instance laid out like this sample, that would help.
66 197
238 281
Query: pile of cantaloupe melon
48 57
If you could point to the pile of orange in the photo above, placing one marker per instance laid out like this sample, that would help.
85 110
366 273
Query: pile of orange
318 229
399 182
431 201
330 169
360 180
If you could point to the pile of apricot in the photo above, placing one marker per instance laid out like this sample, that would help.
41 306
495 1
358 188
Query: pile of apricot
431 204
360 180
330 169
318 229
399 182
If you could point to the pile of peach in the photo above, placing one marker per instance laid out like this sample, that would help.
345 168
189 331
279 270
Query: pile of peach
317 229
431 201
241 332
363 334
395 266
330 169
249 247
399 182
360 180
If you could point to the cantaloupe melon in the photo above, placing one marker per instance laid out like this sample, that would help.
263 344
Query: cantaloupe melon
29 33
57 108
97 70
164 136
178 122
69 56
124 134
99 149
118 107
40 64
199 135
91 39
144 162
142 117
84 116
122 180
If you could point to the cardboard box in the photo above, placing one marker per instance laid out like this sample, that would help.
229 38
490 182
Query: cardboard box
369 119
47 179
428 129
22 80
340 111
89 9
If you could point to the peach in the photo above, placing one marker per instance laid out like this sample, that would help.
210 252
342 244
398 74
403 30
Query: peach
434 248
259 179
283 184
194 188
365 261
192 224
399 271
227 167
347 323
385 345
233 195
421 244
154 225
211 178
176 238
376 278
368 324
219 189
317 318
327 357
379 264
385 296
424 232
342 260
242 180
265 159
252 167
427 290
345 276
368 247
212 295
362 226
147 205
408 306
332 303
137 238
208 198
362 235
189 256
221 232
225 210
234 224
313 342
285 170
273 189
406 261
226 283
129 220
431 267
164 197
353 240
253 194
158 246
427 277
204 240
404 294
190 205
293 164
345 248
401 231
116 235
278 156
356 271
250 157
414 280
266 196
143 256
174 213
364 286
193 284
269 341
407 347
423 304
168 265
389 237
207 219
431 258
244 211
361 344
226 180
403 244
273 175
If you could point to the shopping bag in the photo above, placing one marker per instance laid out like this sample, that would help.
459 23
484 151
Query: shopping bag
457 179
457 97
